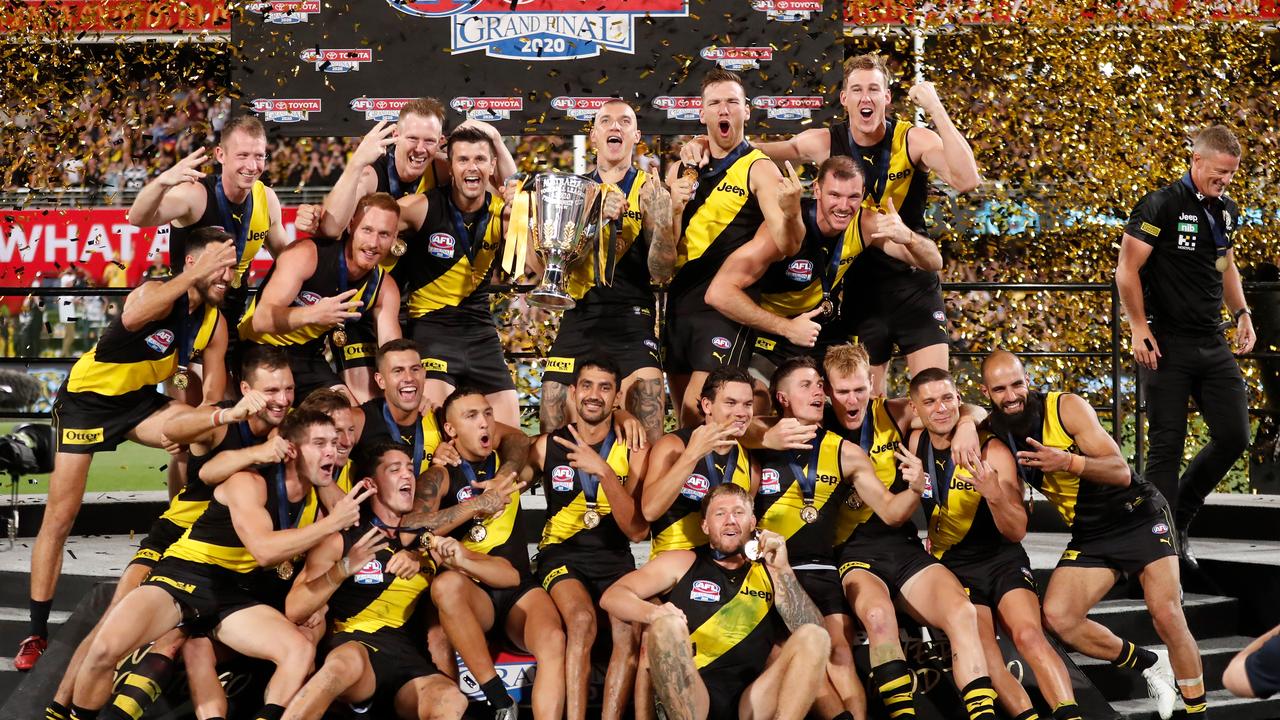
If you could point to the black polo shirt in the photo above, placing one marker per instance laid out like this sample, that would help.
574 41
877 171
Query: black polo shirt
1181 285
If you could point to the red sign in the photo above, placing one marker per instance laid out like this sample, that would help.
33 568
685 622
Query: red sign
123 16
44 242
905 12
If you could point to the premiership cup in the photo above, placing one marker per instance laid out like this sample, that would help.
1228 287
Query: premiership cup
565 218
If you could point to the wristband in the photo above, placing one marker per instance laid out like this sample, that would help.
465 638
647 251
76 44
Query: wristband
1242 311
1071 467
217 417
345 567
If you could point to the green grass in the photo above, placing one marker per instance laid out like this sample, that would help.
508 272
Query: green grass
129 467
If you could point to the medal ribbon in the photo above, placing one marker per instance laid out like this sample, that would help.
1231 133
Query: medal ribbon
370 284
827 278
419 443
1217 228
397 190
948 471
731 466
187 332
868 431
878 174
590 482
808 475
468 240
718 167
238 230
607 260
284 514
489 468
395 530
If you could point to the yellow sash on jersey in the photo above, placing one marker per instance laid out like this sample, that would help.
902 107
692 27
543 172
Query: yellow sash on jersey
686 533
91 374
900 174
885 439
1061 488
783 516
790 304
736 619
236 558
467 274
949 524
391 609
567 521
259 224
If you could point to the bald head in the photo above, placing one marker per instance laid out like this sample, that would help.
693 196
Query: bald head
1000 360
615 132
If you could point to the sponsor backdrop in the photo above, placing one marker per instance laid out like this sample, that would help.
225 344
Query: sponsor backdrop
320 67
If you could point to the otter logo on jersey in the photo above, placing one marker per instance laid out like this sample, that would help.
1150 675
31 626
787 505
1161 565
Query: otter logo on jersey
286 110
370 574
788 107
562 478
737 58
336 61
441 245
487 109
723 343
285 12
71 436
770 482
788 10
800 270
379 109
704 591
678 107
160 341
695 487
579 108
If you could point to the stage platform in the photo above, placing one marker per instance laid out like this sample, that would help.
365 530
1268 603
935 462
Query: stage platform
1228 602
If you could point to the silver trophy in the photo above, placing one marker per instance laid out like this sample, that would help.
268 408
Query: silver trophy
566 212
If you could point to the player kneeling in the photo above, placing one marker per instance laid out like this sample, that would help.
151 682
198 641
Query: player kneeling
710 643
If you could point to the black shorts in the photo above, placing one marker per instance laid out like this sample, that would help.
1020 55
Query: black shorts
597 570
86 422
824 588
724 693
361 349
1262 669
462 356
396 660
311 371
1129 547
703 340
206 594
164 532
504 600
621 332
770 351
906 313
895 559
986 580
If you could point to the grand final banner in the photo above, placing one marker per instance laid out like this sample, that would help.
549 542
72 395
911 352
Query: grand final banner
334 67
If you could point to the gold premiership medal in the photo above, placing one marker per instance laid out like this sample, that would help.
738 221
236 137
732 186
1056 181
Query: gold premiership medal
339 336
236 280
809 513
828 309
1221 263
477 533
285 570
399 247
591 518
180 380
752 548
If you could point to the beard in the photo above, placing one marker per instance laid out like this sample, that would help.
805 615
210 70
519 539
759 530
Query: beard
1020 425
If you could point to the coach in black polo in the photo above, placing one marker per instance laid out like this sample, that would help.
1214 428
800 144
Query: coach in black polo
1176 267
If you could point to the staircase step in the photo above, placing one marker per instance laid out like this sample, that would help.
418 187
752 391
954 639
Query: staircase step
1222 704
1207 616
1120 685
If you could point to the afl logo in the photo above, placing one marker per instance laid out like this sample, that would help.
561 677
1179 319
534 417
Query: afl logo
770 482
370 574
434 8
722 342
939 316
1159 529
306 297
562 478
704 591
800 270
441 245
695 487
160 341
464 494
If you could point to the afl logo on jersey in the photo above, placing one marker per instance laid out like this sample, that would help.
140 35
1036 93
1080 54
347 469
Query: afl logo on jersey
464 494
800 270
1159 529
695 487
441 245
722 342
160 341
562 479
770 482
306 297
704 591
939 316
370 574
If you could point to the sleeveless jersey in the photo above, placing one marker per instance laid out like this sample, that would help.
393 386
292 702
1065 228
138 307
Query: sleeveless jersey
323 283
390 182
630 284
1085 506
680 527
194 497
444 275
732 620
795 285
722 216
232 221
212 539
781 497
505 534
378 426
878 437
373 600
961 526
567 500
123 360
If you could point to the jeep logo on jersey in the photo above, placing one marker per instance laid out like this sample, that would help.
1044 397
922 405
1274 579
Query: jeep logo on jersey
723 343
464 494
562 478
487 109
800 270
542 29
306 297
695 487
370 574
441 245
160 341
770 482
704 591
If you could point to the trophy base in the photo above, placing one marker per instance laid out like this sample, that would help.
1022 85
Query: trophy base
550 299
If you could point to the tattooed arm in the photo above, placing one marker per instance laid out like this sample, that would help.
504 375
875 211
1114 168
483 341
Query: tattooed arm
647 402
554 410
427 513
791 601
513 448
655 207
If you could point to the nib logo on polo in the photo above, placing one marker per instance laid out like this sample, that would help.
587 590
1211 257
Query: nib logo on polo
704 591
